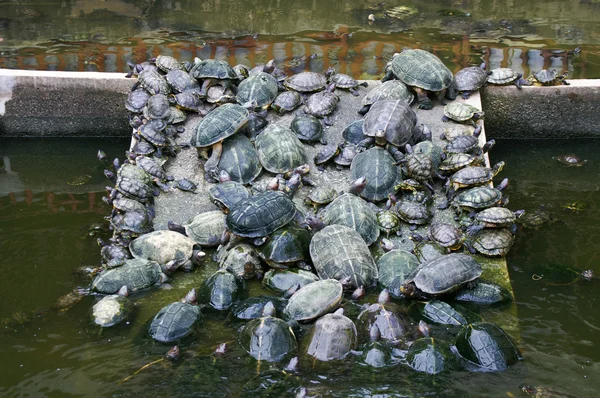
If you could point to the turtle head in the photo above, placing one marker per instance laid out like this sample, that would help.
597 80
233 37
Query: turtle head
173 353
191 297
408 149
374 333
519 213
268 309
384 296
269 66
358 185
330 72
224 176
380 138
502 186
498 167
424 328
358 293
315 224
409 289
123 291
198 257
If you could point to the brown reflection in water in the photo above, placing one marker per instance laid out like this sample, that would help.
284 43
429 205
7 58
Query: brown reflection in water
26 204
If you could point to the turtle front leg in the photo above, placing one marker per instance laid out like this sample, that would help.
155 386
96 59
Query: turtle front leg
211 168
423 100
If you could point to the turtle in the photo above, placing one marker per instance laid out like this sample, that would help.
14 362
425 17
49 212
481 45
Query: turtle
468 144
419 166
441 313
185 184
222 290
181 81
483 293
272 69
535 219
188 101
243 261
456 161
346 155
326 153
344 81
506 76
167 63
353 133
390 121
137 100
205 229
219 124
268 338
141 147
284 281
338 251
286 101
463 113
287 247
136 274
261 215
376 354
228 194
176 320
240 159
136 69
430 355
169 249
446 235
549 77
113 254
381 173
131 224
153 82
352 211
157 107
314 300
252 308
390 319
487 346
472 176
154 168
332 337
211 72
495 217
242 71
480 197
154 133
469 79
443 275
113 309
133 182
389 90
308 129
394 268
279 149
388 221
219 95
459 130
433 151
257 92
428 250
412 212
321 195
306 82
570 160
423 72
492 241
322 104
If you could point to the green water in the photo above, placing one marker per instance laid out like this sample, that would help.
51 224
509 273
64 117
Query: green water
44 236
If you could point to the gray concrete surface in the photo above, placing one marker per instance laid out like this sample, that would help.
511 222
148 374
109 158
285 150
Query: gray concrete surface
555 112
63 104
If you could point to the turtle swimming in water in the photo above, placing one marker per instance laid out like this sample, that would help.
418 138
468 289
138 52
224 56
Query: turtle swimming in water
570 160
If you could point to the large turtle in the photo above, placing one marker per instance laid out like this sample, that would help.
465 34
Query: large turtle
279 149
395 267
340 252
487 346
257 92
390 90
222 290
205 229
422 71
332 337
390 121
381 172
136 274
268 338
306 82
314 299
170 249
240 159
113 309
443 275
176 320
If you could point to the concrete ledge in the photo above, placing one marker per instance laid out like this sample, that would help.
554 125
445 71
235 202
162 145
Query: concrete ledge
63 104
543 112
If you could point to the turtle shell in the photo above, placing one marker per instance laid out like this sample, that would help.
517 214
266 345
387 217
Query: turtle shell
338 252
394 268
380 170
388 221
134 182
153 133
413 212
279 150
163 247
493 241
181 81
286 101
219 124
153 82
456 161
281 281
446 235
243 261
496 217
206 228
222 290
471 78
342 80
157 107
136 274
545 76
261 215
137 100
353 133
322 103
212 69
253 307
351 211
307 128
472 175
429 250
321 195
268 339
431 356
174 322
136 222
442 313
286 246
228 194
240 159
446 274
332 337
420 68
111 310
461 112
257 91
306 82
488 346
419 166
188 101
483 293
393 325
463 144
390 90
326 153
166 63
478 198
502 76
151 166
314 299
433 151
391 121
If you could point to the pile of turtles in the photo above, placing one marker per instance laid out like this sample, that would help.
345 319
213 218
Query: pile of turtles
319 269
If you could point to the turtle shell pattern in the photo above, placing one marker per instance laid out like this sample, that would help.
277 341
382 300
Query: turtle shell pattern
286 246
380 169
390 90
419 68
162 247
478 197
260 90
206 228
351 211
240 159
261 215
222 290
111 310
447 273
472 175
268 339
392 119
279 149
502 76
137 274
228 193
395 267
306 82
332 337
460 111
213 69
493 241
430 356
488 346
338 252
496 216
314 299
471 78
280 281
219 124
174 321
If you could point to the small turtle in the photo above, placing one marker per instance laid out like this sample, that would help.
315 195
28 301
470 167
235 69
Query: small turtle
470 79
381 173
286 101
388 221
441 313
446 235
395 267
287 247
136 274
211 72
284 281
222 290
344 81
495 217
480 197
137 100
243 261
461 112
279 149
430 355
492 242
166 63
252 308
506 76
483 293
80 180
308 129
456 161
391 320
153 82
570 160
176 320
419 166
113 255
472 176
189 101
181 81
321 195
257 92
390 90
353 133
549 77
113 309
322 104
376 354
157 107
227 194
413 213
346 155
186 185
306 82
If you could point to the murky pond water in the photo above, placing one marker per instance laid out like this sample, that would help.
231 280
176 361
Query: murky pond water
44 236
